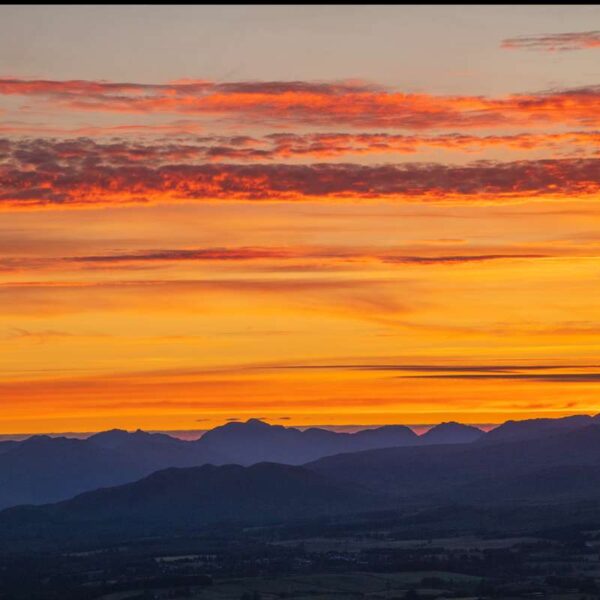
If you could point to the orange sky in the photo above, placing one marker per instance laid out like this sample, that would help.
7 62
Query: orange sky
177 253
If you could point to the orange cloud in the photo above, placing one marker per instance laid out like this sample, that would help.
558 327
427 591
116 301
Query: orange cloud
324 145
555 42
350 103
344 298
279 146
36 152
38 179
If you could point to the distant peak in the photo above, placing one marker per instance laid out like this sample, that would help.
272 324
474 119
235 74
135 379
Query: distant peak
38 438
453 425
111 438
111 433
257 422
451 432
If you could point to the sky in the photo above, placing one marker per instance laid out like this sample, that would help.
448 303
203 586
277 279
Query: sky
306 214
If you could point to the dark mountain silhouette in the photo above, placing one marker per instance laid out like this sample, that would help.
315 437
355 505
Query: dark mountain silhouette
193 497
255 441
451 433
534 428
466 471
157 450
43 469
544 476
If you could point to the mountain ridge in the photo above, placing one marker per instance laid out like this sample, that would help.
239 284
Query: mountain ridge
43 469
552 472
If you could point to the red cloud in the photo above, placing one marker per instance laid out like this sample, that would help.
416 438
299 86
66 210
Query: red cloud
352 104
324 145
38 178
555 42
122 152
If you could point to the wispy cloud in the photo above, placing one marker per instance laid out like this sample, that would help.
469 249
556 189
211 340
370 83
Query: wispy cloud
369 299
546 377
128 151
290 253
356 104
557 373
555 42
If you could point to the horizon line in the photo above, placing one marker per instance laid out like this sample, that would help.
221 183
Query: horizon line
418 428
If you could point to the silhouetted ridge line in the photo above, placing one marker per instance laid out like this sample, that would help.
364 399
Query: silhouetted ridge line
45 469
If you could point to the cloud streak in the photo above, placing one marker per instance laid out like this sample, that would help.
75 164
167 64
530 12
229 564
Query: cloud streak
555 42
288 253
525 372
355 104
282 146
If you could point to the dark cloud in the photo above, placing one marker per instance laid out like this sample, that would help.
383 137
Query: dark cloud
441 369
457 259
290 253
35 176
519 372
126 150
546 377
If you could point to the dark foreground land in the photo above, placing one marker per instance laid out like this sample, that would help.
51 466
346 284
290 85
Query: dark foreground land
454 552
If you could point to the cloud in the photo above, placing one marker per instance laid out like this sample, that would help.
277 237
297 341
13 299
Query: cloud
547 377
124 151
179 128
555 42
355 104
37 178
41 336
526 372
290 253
435 368
225 254
369 299
331 145
455 259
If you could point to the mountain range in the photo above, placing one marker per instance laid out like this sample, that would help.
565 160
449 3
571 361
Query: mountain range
44 469
533 477
534 467
483 471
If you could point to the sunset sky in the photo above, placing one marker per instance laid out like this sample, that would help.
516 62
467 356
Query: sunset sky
311 215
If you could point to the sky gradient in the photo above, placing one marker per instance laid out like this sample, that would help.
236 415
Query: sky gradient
341 215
